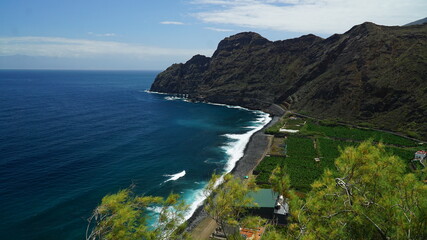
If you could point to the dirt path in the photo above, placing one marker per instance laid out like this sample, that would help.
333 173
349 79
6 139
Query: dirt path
204 229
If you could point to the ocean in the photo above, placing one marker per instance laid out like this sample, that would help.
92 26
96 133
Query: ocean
68 138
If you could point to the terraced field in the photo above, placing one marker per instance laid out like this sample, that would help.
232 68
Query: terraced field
316 146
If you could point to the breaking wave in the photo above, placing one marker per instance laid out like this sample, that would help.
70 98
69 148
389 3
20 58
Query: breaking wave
174 177
234 150
237 142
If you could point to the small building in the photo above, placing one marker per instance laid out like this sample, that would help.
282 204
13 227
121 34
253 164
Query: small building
421 156
269 206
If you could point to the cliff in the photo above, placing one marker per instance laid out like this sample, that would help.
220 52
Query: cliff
371 73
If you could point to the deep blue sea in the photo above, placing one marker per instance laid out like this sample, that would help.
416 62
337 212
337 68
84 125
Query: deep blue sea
68 138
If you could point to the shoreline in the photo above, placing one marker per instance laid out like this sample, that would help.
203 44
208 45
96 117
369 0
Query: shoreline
254 151
257 145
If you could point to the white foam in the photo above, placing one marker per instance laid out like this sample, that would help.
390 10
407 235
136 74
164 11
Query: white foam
148 91
196 197
228 106
155 209
172 98
235 148
174 177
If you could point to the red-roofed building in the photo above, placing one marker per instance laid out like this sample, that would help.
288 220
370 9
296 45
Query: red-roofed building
252 233
421 156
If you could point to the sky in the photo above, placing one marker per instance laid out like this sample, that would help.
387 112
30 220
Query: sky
153 34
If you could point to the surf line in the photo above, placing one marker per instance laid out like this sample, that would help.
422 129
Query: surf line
174 177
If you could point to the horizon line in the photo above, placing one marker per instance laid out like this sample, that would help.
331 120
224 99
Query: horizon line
52 69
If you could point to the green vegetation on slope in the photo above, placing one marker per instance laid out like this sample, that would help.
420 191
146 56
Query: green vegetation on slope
302 168
124 215
330 150
369 196
324 141
344 132
264 169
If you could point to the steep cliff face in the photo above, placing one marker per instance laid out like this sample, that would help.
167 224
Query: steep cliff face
371 73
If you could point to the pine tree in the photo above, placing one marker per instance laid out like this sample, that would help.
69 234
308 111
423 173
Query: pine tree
226 203
369 197
124 216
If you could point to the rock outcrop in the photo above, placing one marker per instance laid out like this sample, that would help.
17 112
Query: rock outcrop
371 73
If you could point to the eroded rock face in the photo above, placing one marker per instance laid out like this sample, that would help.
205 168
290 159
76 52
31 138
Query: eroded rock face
371 73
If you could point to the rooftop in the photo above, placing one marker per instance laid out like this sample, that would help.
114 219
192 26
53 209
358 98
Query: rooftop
264 198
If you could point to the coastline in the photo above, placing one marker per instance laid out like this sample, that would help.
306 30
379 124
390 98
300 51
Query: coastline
254 151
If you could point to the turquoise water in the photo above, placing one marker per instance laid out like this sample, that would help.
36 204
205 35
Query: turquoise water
67 138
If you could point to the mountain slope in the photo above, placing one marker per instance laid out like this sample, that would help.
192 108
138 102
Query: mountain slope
421 21
371 73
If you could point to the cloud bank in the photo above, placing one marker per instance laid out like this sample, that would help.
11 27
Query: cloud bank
314 16
79 48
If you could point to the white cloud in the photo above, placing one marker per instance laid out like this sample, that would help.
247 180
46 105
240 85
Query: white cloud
81 48
102 34
219 29
172 23
316 16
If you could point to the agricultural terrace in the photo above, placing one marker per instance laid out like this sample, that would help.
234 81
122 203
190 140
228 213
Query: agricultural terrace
316 145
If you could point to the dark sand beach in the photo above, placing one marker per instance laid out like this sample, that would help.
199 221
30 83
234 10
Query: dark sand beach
255 150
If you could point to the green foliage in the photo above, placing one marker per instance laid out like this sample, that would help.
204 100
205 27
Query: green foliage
252 222
414 134
369 197
300 164
330 150
405 154
276 127
300 146
265 167
124 216
226 203
280 182
295 124
421 173
272 234
302 171
343 132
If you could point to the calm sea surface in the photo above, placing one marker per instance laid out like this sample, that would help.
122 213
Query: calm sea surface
67 138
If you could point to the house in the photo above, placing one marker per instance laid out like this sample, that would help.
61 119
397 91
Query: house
421 156
269 205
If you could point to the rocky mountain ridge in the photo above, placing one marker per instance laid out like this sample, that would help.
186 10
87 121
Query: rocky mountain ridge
370 74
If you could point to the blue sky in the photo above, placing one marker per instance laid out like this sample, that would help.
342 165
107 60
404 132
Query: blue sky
153 34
